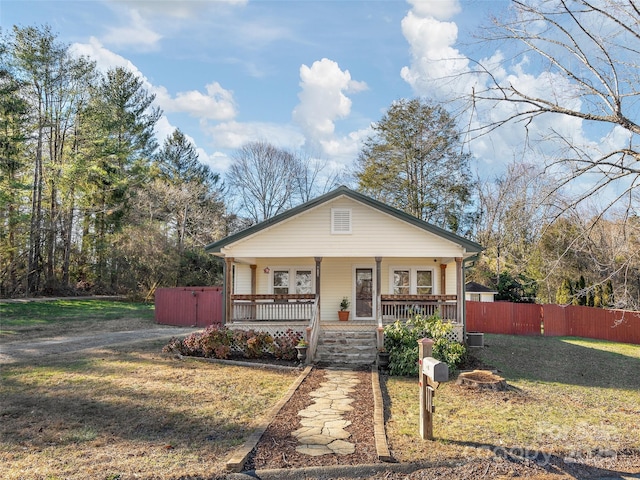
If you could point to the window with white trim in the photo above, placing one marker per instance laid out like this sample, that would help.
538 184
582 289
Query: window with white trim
411 281
424 282
401 282
340 220
292 280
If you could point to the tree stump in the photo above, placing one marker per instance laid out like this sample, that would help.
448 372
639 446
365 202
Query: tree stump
482 379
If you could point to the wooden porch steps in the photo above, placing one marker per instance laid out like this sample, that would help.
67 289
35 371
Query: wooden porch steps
346 347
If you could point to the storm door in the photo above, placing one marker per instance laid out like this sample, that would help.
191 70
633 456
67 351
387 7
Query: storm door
364 293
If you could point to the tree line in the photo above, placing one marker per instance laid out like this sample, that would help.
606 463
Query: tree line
90 202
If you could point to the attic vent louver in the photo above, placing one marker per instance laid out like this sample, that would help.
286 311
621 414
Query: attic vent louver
340 220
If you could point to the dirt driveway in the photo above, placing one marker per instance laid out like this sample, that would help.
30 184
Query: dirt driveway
25 350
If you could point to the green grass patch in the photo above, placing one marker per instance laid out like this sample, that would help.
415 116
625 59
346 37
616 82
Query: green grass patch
55 311
566 395
564 360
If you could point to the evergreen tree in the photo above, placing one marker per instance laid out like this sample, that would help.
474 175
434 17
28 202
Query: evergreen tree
581 291
414 162
564 295
597 296
607 295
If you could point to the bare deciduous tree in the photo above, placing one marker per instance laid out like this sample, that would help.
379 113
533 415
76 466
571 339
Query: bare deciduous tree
262 178
587 52
514 210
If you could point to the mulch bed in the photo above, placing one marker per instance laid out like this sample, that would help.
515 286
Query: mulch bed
277 448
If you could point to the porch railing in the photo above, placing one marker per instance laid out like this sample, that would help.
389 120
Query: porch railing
273 308
403 307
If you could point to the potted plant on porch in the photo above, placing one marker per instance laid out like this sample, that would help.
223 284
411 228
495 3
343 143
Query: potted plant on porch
343 313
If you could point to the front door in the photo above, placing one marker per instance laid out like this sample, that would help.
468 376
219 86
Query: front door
364 293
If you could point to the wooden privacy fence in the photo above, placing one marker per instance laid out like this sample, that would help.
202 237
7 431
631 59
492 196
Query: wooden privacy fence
189 306
553 320
504 317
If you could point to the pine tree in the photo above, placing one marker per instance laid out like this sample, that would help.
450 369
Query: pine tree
581 291
608 300
564 295
597 296
413 161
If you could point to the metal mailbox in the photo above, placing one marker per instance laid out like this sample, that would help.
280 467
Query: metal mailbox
437 370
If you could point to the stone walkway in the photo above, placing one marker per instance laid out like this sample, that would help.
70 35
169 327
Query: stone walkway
323 426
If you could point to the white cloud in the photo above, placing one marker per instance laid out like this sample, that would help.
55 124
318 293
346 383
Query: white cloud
437 68
163 129
343 150
136 34
216 104
323 100
176 9
104 58
439 9
219 162
233 135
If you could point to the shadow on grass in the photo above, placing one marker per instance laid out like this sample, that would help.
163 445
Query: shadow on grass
68 410
572 361
576 466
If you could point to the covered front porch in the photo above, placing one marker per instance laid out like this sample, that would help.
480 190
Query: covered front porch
321 283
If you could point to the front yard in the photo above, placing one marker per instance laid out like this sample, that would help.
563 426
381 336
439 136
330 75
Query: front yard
121 412
571 398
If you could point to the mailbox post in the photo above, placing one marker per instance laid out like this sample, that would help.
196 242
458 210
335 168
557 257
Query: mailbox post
432 372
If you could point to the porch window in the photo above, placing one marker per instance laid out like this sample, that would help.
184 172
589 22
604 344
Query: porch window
411 281
424 282
302 280
280 282
401 282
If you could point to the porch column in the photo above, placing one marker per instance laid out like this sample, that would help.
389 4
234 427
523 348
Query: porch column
379 290
253 279
228 289
318 262
443 279
460 294
253 288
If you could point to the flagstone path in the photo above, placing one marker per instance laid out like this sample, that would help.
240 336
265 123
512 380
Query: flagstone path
323 426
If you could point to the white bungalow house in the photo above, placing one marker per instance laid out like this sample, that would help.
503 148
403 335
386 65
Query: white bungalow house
293 270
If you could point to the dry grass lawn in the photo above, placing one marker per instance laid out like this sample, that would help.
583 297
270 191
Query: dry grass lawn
128 412
574 398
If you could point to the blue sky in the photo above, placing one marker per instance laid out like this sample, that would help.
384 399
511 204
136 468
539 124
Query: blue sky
301 74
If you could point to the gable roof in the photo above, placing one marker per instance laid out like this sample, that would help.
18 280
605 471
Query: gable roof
468 245
473 287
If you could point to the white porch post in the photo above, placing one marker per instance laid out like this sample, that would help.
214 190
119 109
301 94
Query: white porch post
228 289
460 295
379 290
318 262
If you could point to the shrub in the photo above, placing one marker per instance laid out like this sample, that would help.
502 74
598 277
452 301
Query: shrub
401 341
253 344
284 348
214 342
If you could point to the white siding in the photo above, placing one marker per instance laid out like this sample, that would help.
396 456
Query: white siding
242 284
452 286
373 234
